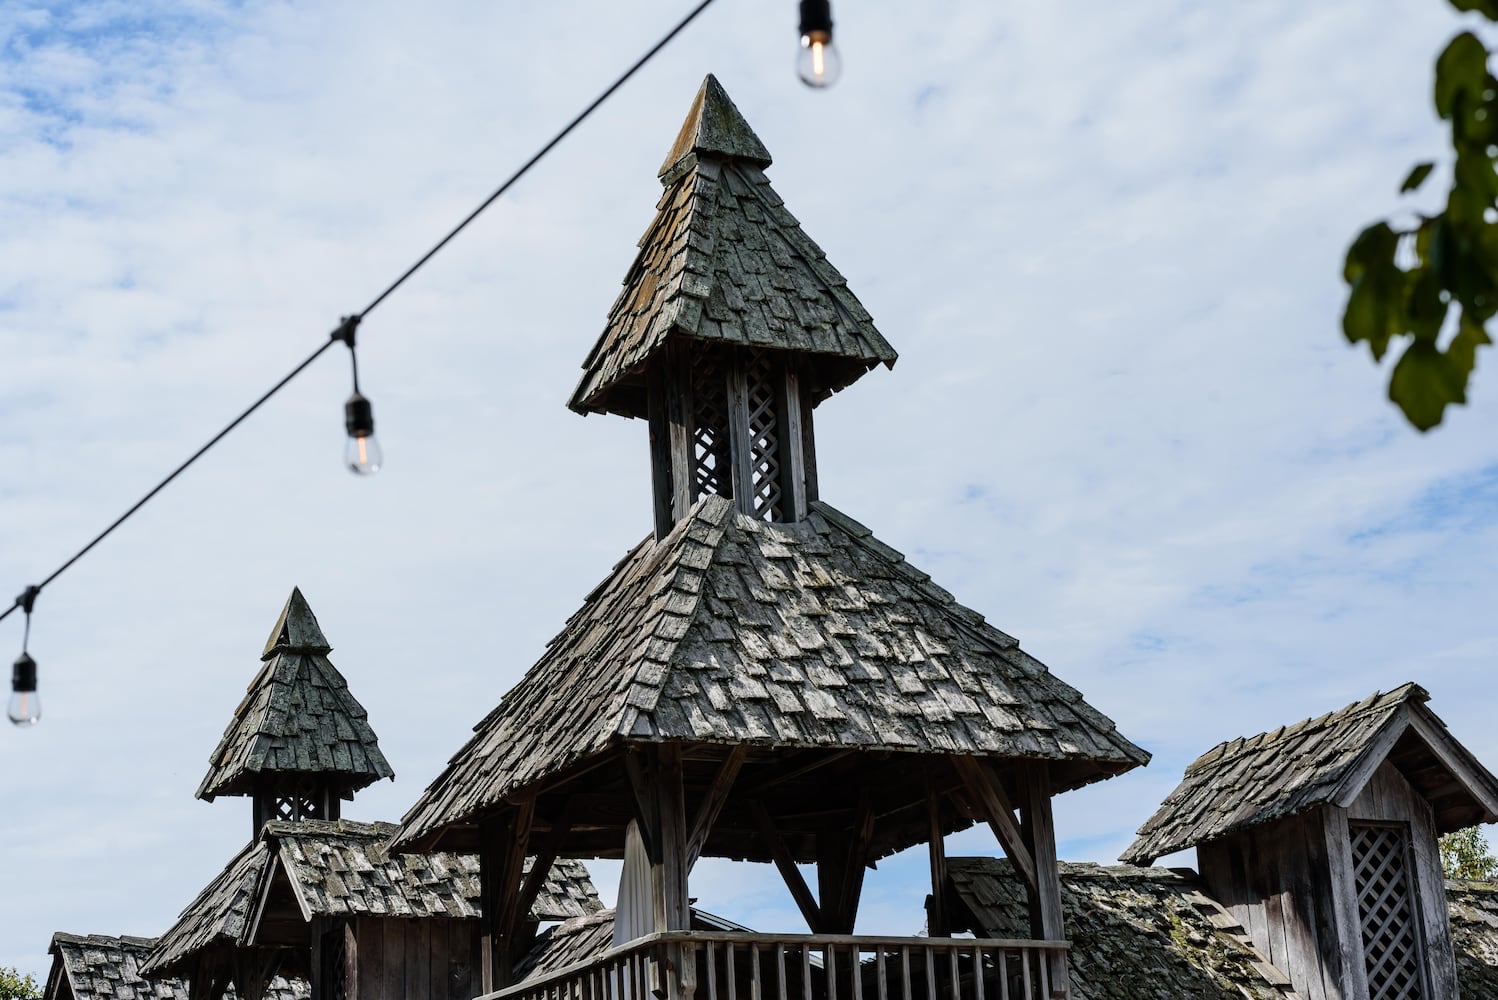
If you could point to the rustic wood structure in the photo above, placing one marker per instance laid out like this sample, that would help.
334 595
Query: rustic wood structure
103 967
326 903
1321 839
299 743
760 678
321 900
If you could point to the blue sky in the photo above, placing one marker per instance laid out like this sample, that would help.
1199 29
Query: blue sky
1106 240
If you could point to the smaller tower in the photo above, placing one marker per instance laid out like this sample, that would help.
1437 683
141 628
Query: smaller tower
299 742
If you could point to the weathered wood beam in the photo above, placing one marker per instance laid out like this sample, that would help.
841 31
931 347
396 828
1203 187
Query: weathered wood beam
642 776
504 838
938 921
1039 831
851 889
545 857
673 911
712 803
738 433
819 759
786 865
792 441
993 805
808 443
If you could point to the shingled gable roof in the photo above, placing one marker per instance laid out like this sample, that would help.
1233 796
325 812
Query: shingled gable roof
297 717
724 262
732 630
103 967
342 868
1316 762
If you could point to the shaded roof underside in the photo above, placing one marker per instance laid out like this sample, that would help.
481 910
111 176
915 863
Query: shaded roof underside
725 262
1323 761
734 631
1134 932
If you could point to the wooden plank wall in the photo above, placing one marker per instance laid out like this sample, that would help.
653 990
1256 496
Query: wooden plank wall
1389 798
1276 882
427 959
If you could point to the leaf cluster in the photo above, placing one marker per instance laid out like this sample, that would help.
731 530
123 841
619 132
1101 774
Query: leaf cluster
1406 285
1465 854
14 986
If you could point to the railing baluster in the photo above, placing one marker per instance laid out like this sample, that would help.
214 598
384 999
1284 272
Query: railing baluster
1003 974
829 963
754 987
905 970
854 967
712 970
977 973
733 985
806 971
780 971
956 981
879 971
1025 963
1043 966
930 963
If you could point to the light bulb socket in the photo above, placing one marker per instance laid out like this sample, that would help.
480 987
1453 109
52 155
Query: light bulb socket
23 675
358 416
816 18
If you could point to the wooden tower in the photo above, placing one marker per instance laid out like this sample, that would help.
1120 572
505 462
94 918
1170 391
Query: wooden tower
760 678
1321 839
299 743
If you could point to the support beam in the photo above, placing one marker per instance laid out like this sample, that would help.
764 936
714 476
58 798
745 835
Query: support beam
504 838
993 805
545 857
672 911
640 769
937 914
712 803
740 446
786 865
1039 831
856 863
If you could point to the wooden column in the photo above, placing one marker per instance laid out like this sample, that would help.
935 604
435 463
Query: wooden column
792 441
739 446
503 840
669 407
1038 830
842 854
808 442
937 914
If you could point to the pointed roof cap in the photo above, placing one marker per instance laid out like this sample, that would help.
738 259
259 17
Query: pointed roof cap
1327 760
296 629
714 127
724 263
298 717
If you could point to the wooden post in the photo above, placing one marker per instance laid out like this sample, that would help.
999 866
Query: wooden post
937 920
792 445
503 840
739 445
808 444
713 802
1038 829
669 882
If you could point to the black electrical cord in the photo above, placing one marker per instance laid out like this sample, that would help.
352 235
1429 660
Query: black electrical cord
338 335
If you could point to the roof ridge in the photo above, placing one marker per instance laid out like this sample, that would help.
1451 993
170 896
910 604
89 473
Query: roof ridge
715 127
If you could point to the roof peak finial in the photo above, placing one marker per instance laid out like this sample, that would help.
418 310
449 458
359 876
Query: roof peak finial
296 629
714 127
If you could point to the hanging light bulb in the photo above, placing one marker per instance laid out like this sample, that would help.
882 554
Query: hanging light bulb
818 63
25 707
362 454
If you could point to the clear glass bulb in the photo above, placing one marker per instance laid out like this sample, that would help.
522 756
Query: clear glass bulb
25 708
818 63
363 455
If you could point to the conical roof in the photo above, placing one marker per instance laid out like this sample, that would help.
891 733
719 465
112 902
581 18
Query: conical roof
805 635
725 262
298 717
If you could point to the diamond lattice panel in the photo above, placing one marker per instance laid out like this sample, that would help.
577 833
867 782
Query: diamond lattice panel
1391 940
710 429
764 438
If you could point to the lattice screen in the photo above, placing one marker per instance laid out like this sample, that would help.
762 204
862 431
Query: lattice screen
1386 910
710 468
764 437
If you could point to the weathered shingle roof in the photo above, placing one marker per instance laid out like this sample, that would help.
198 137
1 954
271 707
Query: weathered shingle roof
342 868
101 967
1136 933
217 916
1474 934
812 634
584 938
1246 782
297 717
723 261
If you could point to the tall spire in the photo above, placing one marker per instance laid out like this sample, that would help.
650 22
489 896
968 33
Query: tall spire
299 741
731 327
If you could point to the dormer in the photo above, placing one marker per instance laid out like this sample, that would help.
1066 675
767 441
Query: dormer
1321 838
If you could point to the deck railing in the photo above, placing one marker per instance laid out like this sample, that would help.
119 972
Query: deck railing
713 965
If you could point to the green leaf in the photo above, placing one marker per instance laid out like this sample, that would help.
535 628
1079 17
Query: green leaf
1461 67
1487 8
1463 350
1424 383
1367 316
1372 250
1417 177
1425 309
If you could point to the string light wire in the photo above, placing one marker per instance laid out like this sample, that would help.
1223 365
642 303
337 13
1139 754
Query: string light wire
34 590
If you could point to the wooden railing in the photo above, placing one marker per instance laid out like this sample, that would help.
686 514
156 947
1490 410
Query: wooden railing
712 965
